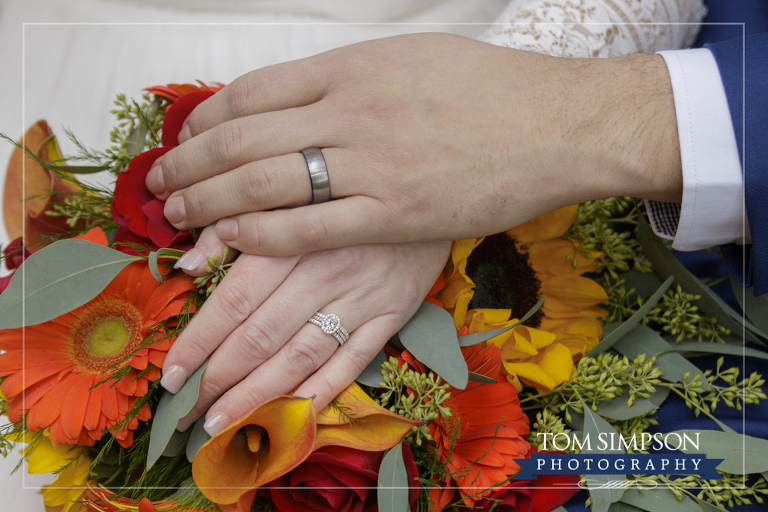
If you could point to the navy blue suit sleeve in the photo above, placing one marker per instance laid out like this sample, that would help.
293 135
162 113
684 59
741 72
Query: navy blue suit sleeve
743 65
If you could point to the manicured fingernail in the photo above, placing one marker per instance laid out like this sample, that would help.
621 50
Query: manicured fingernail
174 209
185 422
215 423
173 378
227 229
185 134
192 259
154 180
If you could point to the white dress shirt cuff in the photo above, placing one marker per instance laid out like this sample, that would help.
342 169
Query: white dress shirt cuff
712 211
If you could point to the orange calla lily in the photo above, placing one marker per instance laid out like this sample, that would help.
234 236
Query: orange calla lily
269 441
371 428
30 189
278 435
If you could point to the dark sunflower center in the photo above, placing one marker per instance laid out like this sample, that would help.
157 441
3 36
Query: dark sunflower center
503 278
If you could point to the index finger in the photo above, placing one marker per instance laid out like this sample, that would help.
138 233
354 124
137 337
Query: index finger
233 301
278 87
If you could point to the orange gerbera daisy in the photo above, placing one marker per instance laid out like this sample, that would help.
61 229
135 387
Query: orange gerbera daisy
491 282
487 431
53 369
172 92
99 499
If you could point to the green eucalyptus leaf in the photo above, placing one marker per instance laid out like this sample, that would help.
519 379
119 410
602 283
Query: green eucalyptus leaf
617 409
594 425
644 283
659 500
134 142
477 377
480 337
673 366
197 438
715 348
666 265
393 482
616 332
169 253
177 442
169 411
559 509
708 507
371 375
756 308
58 279
162 253
743 455
431 337
620 506
152 260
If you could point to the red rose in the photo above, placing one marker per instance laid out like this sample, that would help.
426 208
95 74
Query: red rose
336 478
15 254
137 211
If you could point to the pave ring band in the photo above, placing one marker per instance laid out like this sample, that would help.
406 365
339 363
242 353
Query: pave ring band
330 324
318 175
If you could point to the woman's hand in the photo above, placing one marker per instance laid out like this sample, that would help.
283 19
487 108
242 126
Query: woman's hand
254 327
426 137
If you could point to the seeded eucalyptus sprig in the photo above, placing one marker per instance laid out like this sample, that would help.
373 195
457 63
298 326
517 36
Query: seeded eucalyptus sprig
677 314
215 272
597 227
424 402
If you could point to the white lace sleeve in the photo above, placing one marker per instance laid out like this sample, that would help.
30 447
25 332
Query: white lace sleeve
597 28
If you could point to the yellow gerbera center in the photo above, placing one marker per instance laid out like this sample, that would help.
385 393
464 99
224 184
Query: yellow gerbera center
503 278
104 333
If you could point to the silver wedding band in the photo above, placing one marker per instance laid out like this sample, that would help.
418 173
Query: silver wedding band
330 324
318 175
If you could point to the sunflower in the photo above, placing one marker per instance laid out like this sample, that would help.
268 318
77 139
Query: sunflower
58 371
492 282
71 464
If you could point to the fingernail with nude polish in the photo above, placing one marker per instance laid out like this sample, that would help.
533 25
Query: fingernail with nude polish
227 229
154 181
174 378
187 421
192 259
216 422
185 134
174 210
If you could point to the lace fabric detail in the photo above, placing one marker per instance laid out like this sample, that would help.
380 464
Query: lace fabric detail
597 28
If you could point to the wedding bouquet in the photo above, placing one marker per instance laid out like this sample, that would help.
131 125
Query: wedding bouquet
532 346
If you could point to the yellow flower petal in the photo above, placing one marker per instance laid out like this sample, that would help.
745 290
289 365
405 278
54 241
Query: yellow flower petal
550 257
549 225
376 428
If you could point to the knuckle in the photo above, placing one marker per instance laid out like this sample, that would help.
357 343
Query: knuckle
314 231
255 341
303 358
227 141
170 169
194 204
356 357
234 303
253 236
258 184
240 95
349 260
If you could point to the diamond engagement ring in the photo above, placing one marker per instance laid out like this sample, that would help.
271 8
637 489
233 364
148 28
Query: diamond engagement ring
318 175
330 324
